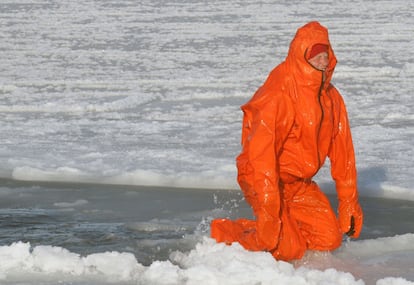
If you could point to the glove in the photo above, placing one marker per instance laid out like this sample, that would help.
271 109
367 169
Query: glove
350 217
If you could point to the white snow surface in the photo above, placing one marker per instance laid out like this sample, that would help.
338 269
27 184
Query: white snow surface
207 263
149 93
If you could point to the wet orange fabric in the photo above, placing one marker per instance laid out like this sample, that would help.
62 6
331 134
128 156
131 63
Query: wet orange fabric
292 124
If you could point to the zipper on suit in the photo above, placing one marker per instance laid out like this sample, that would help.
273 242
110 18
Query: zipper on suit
320 123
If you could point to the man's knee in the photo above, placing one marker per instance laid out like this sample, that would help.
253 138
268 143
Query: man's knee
329 240
289 253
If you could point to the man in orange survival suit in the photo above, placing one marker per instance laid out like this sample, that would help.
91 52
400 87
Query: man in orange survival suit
292 123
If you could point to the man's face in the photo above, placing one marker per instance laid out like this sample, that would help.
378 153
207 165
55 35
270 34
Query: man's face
320 61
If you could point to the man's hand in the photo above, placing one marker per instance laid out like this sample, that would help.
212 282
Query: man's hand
350 217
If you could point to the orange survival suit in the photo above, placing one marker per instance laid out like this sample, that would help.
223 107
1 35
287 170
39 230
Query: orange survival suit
292 123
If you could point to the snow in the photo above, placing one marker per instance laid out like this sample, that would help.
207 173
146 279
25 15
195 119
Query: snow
207 263
148 93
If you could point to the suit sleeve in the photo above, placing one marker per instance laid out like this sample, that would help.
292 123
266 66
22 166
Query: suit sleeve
343 169
266 122
341 154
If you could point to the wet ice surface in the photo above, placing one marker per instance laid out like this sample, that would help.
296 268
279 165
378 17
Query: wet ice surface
155 223
150 222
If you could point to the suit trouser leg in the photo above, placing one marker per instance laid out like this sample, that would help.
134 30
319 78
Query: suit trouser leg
308 222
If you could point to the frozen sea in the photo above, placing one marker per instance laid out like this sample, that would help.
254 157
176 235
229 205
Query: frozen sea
120 124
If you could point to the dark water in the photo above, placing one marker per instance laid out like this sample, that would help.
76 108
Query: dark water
147 221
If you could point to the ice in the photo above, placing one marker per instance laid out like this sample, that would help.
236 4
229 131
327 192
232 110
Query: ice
125 235
79 202
207 263
148 93
20 258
